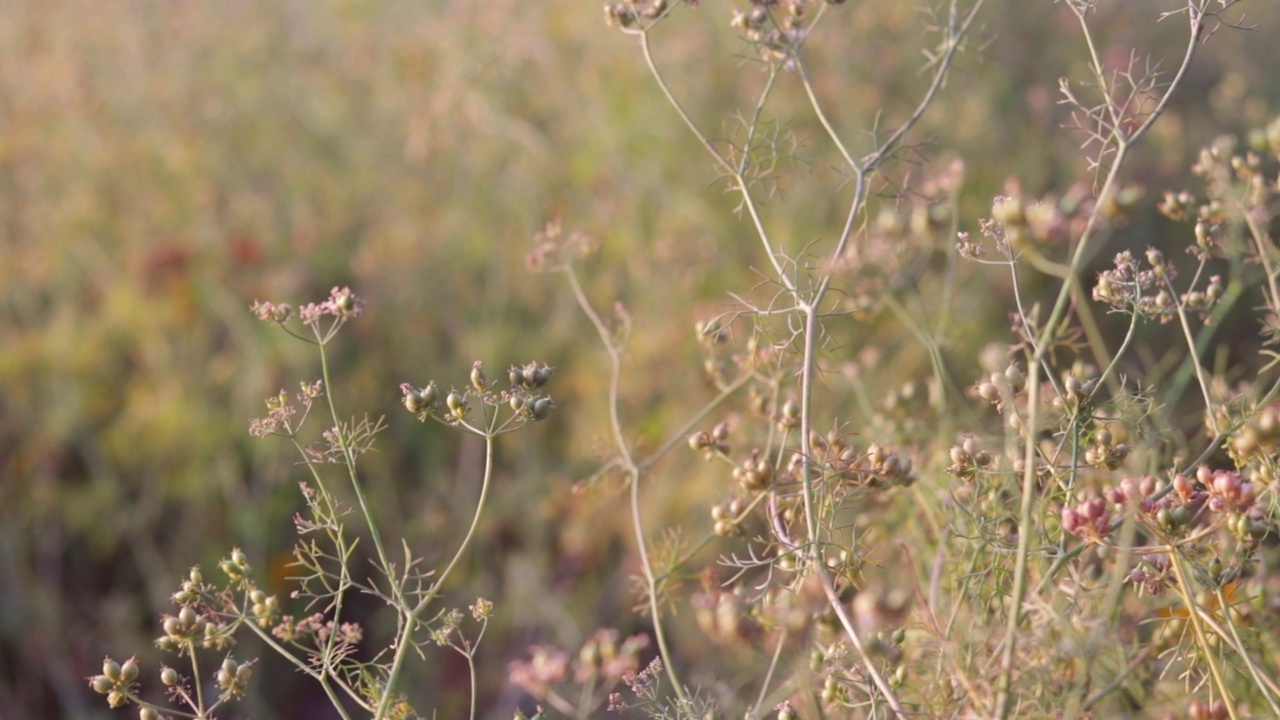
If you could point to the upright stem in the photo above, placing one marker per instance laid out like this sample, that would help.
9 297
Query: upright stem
633 472
1123 144
348 455
410 619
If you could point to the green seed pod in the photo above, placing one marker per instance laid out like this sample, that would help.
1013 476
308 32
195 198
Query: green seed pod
1155 258
1267 424
1245 442
1231 525
111 669
169 676
129 671
720 432
1014 375
101 684
187 618
346 303
542 375
1181 515
542 407
478 379
751 481
1095 455
830 690
765 471
172 626
816 659
791 409
455 402
147 713
413 401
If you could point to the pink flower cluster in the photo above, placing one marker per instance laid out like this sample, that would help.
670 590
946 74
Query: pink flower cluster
1228 492
602 656
341 303
1091 518
1154 574
1134 492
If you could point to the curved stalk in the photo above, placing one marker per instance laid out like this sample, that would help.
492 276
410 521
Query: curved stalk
409 620
633 473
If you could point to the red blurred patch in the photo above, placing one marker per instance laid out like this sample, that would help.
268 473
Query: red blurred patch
246 251
165 265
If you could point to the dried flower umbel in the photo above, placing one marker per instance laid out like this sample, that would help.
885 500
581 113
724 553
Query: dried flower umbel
311 628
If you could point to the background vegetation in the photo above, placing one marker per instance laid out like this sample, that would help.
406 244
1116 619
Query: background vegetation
165 164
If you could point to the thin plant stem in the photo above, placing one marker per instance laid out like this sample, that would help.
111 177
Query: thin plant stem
409 620
739 180
1268 686
633 472
324 677
1181 312
1193 613
1123 146
768 675
816 563
349 459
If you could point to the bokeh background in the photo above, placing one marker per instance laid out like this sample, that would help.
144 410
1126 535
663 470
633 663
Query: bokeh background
164 163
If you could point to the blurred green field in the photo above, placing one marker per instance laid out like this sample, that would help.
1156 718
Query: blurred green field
163 164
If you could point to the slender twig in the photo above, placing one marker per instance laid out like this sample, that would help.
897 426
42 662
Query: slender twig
633 472
1043 342
409 621
1193 612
